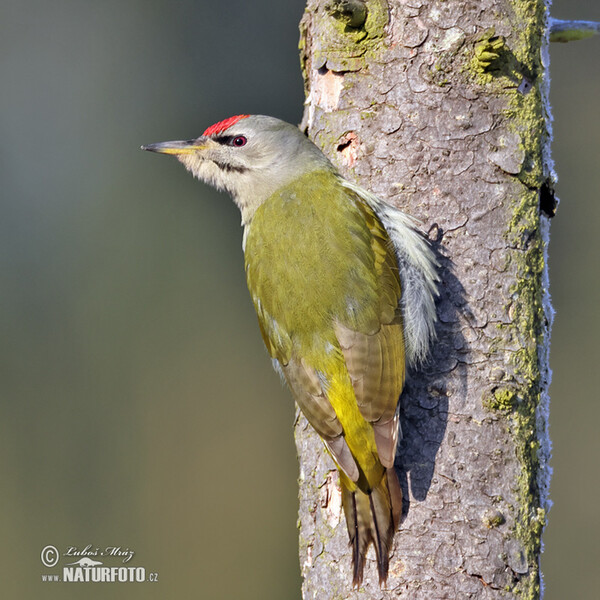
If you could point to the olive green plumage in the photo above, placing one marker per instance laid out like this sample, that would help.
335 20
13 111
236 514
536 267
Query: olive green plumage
343 286
331 319
314 253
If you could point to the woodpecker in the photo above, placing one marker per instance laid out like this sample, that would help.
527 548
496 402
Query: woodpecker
344 287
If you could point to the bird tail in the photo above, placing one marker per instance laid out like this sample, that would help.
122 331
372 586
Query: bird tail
372 517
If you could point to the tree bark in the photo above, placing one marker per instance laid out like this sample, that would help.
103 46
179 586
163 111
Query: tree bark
440 108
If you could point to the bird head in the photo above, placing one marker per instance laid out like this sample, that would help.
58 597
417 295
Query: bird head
249 156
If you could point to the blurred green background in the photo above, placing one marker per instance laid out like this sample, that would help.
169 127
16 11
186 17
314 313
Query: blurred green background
138 407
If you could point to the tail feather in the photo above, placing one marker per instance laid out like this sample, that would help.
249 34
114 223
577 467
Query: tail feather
372 517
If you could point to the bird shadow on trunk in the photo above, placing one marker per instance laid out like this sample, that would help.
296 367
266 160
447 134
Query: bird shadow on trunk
424 401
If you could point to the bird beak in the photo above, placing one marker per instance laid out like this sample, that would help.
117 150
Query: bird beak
178 147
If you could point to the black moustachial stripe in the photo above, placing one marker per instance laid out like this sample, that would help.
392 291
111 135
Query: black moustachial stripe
229 168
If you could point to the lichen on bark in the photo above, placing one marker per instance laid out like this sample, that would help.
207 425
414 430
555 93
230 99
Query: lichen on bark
441 109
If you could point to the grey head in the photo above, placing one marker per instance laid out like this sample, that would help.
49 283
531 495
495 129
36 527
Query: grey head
249 156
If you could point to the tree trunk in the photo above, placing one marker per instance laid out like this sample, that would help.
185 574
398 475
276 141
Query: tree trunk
440 108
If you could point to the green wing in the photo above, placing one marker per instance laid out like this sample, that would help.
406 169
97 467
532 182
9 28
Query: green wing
324 281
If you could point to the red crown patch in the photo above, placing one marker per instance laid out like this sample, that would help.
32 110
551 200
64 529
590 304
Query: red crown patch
221 126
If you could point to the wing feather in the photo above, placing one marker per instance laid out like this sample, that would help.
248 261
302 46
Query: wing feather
376 361
307 389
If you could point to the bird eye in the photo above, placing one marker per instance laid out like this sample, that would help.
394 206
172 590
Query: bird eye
239 141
